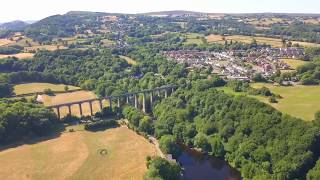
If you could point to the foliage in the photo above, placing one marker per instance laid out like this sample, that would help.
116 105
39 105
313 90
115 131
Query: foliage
101 125
314 173
254 137
19 119
168 145
161 169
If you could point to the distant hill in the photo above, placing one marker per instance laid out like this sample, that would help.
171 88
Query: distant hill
173 13
65 25
13 25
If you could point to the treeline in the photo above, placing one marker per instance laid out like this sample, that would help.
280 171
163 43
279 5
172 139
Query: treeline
137 120
96 70
10 49
20 119
159 168
101 125
252 136
309 74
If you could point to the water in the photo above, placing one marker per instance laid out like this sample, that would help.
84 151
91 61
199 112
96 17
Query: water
202 167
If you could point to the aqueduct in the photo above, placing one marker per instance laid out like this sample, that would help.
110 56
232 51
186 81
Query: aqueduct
127 96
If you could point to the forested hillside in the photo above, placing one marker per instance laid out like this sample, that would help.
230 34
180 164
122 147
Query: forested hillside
252 136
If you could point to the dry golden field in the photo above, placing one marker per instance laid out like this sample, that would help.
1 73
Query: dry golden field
19 55
274 42
63 98
77 155
28 88
44 47
4 42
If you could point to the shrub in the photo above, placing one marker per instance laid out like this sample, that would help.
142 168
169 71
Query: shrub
101 125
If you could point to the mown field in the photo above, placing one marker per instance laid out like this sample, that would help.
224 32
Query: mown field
28 88
63 98
193 38
298 101
19 55
77 156
294 63
274 42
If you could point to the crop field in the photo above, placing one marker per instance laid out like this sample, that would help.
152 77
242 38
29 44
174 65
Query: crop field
129 60
274 42
28 88
77 155
294 63
298 101
19 55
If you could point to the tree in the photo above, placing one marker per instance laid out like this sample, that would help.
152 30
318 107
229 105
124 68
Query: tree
201 141
160 168
217 147
66 88
317 116
6 90
258 78
48 92
146 125
168 145
314 173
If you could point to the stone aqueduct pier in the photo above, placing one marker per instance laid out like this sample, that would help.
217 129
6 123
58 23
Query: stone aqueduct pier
151 92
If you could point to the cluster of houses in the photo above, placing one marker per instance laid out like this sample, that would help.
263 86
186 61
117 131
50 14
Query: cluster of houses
238 64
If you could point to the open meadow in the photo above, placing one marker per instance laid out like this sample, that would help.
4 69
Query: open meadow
28 88
274 42
78 155
294 63
63 98
19 55
298 101
193 38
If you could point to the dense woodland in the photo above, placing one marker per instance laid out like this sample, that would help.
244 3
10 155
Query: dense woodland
252 136
20 119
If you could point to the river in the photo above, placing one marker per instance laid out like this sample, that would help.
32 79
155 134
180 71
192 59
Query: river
198 166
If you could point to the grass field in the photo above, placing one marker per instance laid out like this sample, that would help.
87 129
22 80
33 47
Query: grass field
129 60
193 38
294 63
298 101
274 42
76 156
4 42
28 88
19 55
44 47
63 98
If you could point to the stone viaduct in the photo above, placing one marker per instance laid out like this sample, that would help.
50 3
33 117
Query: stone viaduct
168 89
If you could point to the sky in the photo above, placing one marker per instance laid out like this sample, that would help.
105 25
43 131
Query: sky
38 9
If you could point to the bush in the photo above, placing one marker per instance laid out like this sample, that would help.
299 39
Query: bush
168 145
160 168
69 119
48 92
101 125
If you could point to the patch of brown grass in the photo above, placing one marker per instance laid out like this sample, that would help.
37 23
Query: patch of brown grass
19 55
76 156
73 97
